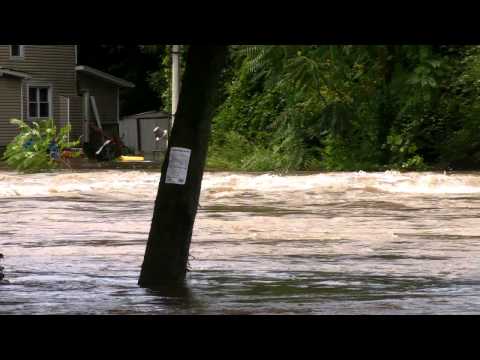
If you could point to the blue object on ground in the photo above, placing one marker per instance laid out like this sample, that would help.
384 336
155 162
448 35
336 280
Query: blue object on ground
28 144
54 151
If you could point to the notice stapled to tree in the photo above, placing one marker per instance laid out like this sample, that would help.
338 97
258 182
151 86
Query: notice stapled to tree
178 166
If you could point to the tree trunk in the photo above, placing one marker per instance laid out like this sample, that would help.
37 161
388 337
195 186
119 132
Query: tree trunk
168 246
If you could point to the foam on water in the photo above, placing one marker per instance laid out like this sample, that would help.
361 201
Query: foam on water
344 243
72 184
390 181
143 184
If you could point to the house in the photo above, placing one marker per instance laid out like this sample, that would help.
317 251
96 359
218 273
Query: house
45 81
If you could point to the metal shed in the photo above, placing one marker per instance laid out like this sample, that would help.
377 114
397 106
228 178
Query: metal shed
137 132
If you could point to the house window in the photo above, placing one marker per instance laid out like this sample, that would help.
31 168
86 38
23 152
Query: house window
16 51
39 102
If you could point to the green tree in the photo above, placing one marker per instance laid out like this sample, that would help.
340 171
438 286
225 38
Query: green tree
339 107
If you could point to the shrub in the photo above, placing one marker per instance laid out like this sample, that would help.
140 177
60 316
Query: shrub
227 151
31 149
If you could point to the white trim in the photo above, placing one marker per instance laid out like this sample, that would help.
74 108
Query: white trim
17 57
102 75
34 84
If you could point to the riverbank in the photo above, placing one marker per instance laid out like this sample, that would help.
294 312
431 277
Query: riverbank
85 164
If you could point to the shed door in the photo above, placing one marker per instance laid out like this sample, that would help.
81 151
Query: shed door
149 144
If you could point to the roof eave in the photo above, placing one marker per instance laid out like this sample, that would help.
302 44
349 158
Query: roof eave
14 73
104 76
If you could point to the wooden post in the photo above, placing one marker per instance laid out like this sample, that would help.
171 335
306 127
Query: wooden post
95 112
168 246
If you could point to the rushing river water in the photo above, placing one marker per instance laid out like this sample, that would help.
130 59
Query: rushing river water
340 243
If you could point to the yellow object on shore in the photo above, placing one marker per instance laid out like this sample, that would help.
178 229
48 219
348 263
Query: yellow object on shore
131 158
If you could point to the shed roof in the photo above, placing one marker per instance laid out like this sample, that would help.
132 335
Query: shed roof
154 114
104 76
5 71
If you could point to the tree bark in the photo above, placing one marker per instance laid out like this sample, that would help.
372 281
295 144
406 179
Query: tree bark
166 255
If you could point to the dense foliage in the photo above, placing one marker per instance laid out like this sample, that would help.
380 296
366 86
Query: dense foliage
319 107
37 147
349 108
160 79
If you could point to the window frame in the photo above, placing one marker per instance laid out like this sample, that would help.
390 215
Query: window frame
21 49
37 101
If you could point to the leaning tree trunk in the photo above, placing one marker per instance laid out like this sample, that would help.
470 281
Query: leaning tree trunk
168 246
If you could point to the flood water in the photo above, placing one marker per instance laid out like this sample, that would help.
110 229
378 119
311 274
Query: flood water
340 243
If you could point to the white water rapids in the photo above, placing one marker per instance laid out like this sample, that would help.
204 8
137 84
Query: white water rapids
348 243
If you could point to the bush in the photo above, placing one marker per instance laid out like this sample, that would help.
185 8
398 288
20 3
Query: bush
226 152
31 150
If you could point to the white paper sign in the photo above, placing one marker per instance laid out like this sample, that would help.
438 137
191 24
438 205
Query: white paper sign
178 166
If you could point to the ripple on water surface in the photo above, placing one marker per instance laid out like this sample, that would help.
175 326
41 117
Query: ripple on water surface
316 244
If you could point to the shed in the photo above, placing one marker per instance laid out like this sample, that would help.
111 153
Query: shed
137 132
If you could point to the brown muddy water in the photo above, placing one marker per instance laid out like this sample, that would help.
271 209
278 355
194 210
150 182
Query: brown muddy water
340 243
